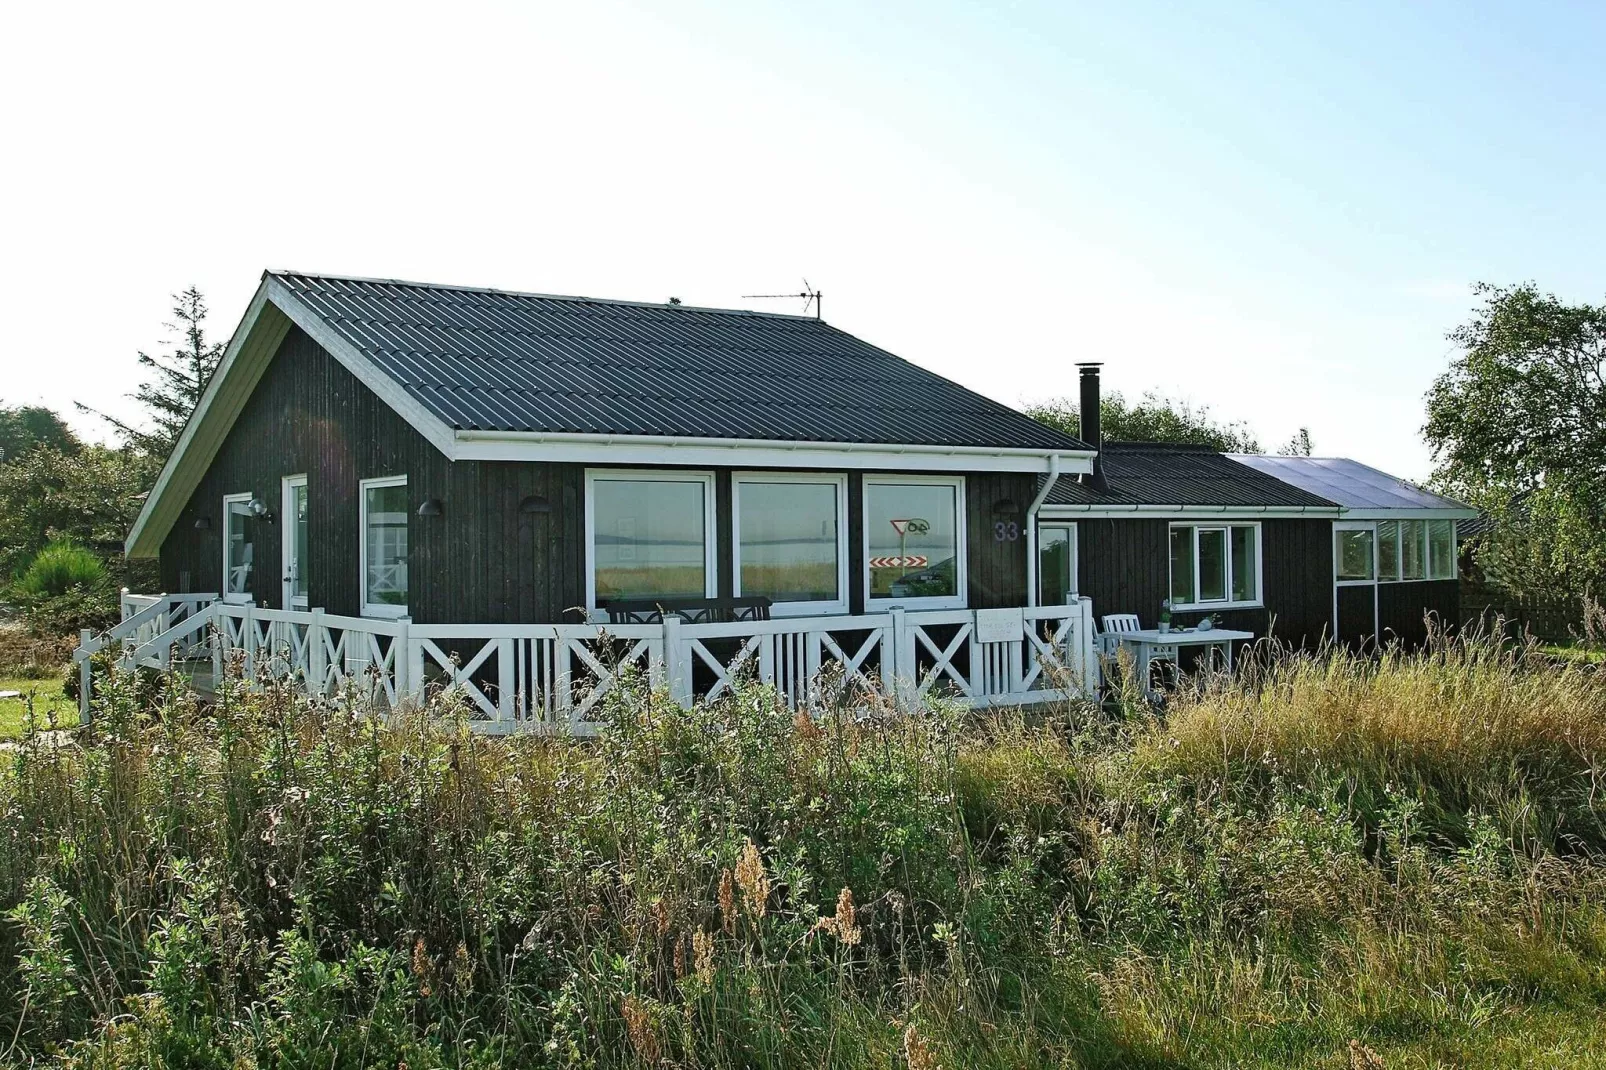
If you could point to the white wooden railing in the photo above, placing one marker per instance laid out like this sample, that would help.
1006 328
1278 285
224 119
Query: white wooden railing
557 676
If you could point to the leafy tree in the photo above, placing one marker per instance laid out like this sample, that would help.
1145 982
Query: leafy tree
90 497
1155 418
27 426
1518 426
1298 445
175 381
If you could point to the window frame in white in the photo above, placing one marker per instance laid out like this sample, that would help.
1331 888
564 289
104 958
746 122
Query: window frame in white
1455 557
287 487
960 599
1226 526
653 475
817 607
1354 525
383 609
235 598
1075 562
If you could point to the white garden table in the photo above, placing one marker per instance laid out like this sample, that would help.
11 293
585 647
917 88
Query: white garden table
1146 641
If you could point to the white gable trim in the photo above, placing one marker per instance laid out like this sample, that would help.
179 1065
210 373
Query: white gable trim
273 309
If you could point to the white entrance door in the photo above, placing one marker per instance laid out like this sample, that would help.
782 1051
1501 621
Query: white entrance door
294 526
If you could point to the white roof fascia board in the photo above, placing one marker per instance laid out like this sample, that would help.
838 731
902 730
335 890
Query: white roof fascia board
238 371
1158 512
1376 513
653 450
392 393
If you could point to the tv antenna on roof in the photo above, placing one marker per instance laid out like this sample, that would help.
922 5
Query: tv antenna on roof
810 296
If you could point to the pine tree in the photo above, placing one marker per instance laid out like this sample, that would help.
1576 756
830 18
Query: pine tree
176 380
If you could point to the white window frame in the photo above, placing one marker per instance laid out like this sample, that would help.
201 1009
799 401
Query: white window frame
1199 605
287 536
236 598
654 475
1076 559
818 607
1354 525
1455 552
961 598
382 609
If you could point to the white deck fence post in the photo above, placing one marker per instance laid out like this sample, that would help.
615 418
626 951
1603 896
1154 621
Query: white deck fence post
900 672
677 663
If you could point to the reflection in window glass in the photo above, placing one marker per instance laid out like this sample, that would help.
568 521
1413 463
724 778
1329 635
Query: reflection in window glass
1354 554
1244 567
1388 549
236 520
651 538
298 517
788 541
1413 549
913 535
385 582
1441 549
1181 566
1056 564
1212 564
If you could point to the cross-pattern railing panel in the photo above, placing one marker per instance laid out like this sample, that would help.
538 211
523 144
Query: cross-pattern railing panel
547 677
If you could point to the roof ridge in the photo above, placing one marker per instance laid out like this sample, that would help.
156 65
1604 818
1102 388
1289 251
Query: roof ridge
286 273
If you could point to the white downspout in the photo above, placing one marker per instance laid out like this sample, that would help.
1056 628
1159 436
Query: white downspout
1031 530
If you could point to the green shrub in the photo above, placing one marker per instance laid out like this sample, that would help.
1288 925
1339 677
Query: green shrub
59 568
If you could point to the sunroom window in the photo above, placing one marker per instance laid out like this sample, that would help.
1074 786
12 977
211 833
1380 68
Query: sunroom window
1353 554
1441 549
914 536
384 546
1215 565
650 535
1413 549
791 540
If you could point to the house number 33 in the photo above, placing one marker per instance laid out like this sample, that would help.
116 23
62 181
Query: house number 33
1006 531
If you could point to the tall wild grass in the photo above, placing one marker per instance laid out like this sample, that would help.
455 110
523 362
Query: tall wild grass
1326 862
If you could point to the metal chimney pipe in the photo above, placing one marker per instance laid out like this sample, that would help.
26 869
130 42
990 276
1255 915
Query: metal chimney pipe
1089 407
1088 410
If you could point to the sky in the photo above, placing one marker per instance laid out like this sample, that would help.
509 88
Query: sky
1274 210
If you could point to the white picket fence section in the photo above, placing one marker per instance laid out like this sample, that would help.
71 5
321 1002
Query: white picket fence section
547 677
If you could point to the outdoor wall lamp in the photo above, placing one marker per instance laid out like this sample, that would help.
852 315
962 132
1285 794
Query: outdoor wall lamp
431 507
534 503
260 510
203 523
1005 507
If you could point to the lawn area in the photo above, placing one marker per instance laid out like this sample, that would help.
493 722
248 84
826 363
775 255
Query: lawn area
1574 652
46 695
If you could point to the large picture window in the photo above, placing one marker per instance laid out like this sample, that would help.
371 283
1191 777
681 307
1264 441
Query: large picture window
914 541
384 546
238 551
1214 566
650 535
791 540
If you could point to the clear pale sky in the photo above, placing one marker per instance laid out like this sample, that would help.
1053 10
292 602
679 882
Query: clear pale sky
1275 210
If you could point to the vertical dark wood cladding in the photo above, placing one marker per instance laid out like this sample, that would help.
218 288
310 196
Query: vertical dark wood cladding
482 559
1402 608
995 527
1124 566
